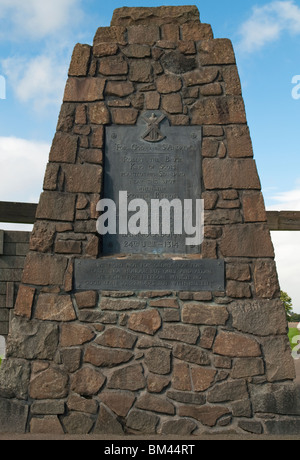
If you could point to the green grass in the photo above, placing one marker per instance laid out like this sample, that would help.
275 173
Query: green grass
292 333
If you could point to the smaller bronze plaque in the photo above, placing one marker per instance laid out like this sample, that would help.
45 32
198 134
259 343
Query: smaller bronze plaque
152 274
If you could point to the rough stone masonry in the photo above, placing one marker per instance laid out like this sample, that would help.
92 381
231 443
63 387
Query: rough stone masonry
123 362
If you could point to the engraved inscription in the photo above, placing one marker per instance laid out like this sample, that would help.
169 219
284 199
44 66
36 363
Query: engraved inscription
177 275
166 167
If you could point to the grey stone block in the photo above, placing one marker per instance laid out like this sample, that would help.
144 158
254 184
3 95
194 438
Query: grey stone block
13 416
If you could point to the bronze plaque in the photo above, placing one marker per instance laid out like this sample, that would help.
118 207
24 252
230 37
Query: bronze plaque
151 161
152 274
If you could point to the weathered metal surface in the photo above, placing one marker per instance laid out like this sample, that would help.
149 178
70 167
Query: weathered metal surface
151 274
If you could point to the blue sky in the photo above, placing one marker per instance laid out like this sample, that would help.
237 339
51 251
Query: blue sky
36 42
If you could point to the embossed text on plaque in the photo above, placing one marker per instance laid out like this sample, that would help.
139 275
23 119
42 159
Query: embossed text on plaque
152 274
152 160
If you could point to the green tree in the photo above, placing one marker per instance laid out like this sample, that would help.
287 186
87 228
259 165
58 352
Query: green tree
288 305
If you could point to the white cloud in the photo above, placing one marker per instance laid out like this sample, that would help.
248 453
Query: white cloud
286 201
39 80
23 165
38 18
267 23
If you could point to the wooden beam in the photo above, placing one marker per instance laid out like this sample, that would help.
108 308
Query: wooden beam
284 220
17 213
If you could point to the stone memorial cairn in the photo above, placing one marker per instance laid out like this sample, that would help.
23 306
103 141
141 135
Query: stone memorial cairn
145 362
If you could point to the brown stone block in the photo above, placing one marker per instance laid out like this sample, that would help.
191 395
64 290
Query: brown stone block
155 15
49 384
91 156
207 415
146 321
238 290
129 378
228 391
152 100
97 137
80 60
86 299
66 117
124 116
24 302
141 71
215 52
158 360
232 80
259 317
197 313
119 402
155 404
168 84
52 307
212 89
202 378
119 88
99 114
157 383
75 334
230 173
191 354
209 148
246 240
172 103
51 177
48 424
247 367
83 178
103 357
84 89
164 303
110 35
266 280
67 247
105 49
239 141
180 332
116 338
181 377
137 51
278 358
170 32
42 236
236 345
220 110
254 207
238 272
87 381
64 148
195 32
201 76
207 337
113 65
187 47
44 269
80 117
143 35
